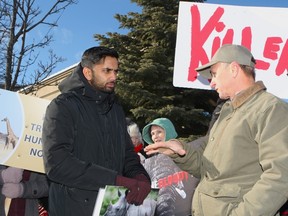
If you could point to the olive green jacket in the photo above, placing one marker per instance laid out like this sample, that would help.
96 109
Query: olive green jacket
244 166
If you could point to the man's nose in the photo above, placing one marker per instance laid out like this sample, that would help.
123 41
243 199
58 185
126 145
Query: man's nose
212 84
114 75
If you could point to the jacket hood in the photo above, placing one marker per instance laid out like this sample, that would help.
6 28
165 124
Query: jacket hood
166 124
74 81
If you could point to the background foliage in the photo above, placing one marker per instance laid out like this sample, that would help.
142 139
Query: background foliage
145 85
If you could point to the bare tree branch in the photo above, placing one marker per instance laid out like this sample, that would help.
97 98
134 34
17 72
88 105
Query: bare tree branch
17 53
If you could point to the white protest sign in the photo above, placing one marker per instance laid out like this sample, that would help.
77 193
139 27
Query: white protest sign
203 28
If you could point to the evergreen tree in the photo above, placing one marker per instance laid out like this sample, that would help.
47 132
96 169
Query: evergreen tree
145 84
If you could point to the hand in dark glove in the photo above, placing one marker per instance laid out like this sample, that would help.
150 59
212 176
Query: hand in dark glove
12 190
139 187
12 175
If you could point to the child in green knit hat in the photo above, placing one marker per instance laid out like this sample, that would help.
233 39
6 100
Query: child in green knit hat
160 129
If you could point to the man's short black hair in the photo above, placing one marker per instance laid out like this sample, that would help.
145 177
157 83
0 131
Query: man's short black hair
94 55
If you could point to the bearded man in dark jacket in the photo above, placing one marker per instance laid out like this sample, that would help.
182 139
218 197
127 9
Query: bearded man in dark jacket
85 141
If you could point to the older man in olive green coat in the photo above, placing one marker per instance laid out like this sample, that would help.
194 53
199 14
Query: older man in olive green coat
244 164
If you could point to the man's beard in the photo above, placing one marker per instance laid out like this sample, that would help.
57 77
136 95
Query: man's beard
103 89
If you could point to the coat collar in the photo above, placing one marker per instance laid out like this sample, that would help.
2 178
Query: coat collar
244 95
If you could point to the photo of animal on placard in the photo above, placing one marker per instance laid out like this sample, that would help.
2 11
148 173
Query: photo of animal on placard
10 139
10 123
111 201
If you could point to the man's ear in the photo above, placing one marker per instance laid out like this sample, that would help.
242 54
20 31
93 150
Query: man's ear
87 73
234 67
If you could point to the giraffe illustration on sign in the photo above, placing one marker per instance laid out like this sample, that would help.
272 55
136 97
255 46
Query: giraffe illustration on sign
11 138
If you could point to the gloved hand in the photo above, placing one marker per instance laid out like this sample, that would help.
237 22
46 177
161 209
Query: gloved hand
12 175
139 187
12 190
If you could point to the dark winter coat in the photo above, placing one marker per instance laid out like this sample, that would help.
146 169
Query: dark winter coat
85 145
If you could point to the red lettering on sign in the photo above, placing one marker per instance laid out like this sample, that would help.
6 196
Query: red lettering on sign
272 47
200 35
173 179
247 37
283 63
198 54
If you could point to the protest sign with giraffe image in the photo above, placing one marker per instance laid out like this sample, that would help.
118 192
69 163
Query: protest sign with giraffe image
20 130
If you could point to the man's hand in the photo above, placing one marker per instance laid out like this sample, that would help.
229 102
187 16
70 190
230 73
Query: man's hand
168 148
139 187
